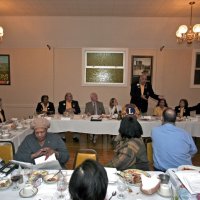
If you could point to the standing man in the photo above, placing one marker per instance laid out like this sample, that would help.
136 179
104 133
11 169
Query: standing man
94 107
70 106
140 92
172 146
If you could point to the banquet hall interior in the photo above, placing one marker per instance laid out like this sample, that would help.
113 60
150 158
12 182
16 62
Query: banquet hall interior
46 43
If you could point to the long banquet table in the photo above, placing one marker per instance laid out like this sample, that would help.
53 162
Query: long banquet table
49 192
111 127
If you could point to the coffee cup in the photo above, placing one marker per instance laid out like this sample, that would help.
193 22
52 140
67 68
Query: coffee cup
28 190
165 190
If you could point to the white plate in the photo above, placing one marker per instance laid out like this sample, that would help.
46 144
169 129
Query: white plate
47 178
188 167
34 192
5 183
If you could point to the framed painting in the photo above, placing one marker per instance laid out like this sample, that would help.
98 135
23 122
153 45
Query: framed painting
4 69
140 65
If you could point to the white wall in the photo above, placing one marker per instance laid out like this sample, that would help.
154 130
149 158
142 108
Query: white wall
36 70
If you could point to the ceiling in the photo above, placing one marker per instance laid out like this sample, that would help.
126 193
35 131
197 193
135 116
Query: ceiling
118 8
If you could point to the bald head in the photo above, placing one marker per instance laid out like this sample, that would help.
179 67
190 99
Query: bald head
169 116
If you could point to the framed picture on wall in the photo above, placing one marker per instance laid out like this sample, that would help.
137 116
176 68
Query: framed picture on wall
4 69
195 69
141 64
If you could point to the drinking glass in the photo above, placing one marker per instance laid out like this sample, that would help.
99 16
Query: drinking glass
15 177
61 186
121 186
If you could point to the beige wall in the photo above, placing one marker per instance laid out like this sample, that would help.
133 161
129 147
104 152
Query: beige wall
36 70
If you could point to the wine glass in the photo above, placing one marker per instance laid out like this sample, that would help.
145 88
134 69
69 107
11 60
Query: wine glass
121 186
15 177
61 186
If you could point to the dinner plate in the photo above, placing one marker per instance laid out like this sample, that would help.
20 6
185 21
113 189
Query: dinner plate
133 176
188 167
5 183
40 172
34 192
50 178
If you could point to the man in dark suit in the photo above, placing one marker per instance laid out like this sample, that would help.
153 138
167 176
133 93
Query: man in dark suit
140 92
94 107
69 106
2 115
195 108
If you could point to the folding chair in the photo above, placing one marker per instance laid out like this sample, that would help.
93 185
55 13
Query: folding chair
7 150
84 154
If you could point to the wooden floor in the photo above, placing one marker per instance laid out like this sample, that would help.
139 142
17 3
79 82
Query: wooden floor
103 148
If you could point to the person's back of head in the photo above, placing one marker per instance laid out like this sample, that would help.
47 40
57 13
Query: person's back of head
169 116
130 127
89 181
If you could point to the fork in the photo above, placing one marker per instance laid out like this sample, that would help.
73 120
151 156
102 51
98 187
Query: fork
113 194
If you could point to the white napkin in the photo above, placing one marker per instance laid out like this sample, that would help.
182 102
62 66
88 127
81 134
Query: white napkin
111 173
149 182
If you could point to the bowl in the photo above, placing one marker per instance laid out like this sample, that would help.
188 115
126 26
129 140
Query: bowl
164 178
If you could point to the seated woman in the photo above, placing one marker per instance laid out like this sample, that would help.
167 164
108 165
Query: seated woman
182 110
2 114
125 110
160 107
45 106
89 181
114 108
42 143
130 150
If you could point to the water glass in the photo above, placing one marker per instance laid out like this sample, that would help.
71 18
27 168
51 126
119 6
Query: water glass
121 186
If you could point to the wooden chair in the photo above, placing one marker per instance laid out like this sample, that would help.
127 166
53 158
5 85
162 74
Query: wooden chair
7 150
148 144
84 154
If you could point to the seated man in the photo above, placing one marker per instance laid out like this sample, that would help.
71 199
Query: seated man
89 181
40 143
172 146
45 106
94 107
195 108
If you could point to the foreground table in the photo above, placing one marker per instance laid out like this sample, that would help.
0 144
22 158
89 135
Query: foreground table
49 192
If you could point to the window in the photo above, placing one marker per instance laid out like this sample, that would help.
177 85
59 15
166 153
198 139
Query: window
103 67
195 70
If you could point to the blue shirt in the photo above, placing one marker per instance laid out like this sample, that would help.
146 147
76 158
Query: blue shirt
172 147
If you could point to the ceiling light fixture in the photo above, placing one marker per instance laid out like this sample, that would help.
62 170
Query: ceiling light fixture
1 33
188 34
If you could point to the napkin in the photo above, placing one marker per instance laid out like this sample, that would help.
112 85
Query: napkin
149 182
111 173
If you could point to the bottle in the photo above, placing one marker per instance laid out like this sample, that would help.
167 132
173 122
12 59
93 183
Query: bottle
119 115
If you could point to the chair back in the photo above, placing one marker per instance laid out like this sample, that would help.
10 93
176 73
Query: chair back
84 154
150 152
7 150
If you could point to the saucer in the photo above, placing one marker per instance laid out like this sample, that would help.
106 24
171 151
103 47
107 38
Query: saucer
34 192
164 195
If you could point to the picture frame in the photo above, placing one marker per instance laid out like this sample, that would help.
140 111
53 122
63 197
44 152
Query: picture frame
141 64
5 69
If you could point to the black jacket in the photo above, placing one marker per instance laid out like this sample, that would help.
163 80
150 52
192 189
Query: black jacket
50 108
74 104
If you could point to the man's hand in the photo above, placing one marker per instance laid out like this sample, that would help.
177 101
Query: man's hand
143 97
161 97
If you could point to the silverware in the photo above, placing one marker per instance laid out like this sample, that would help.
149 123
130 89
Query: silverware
113 194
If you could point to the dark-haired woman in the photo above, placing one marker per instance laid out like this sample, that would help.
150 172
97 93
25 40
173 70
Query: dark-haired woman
130 150
45 106
182 110
89 181
160 107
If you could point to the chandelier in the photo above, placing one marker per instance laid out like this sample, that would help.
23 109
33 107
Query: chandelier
188 34
1 33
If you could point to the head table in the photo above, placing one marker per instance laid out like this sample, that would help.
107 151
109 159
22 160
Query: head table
49 191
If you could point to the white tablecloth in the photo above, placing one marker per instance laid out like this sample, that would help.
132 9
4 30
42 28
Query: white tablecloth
111 127
48 192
